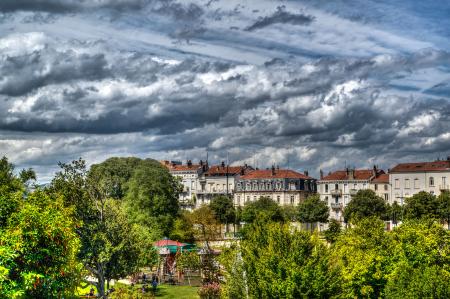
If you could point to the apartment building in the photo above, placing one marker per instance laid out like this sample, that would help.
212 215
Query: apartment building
337 188
382 187
284 186
219 180
408 179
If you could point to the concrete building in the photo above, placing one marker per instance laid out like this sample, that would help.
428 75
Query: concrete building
337 188
287 187
188 174
408 179
219 180
382 187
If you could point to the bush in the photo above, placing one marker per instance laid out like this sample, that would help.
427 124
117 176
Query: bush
209 291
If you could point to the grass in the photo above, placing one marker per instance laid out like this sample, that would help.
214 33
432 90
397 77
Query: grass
177 292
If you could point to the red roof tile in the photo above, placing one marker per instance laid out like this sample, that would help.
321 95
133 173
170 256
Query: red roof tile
279 174
222 170
343 175
184 167
422 166
381 179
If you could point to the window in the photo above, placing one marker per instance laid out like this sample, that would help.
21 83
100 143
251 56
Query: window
376 187
336 187
431 181
292 199
397 183
444 182
278 198
407 184
248 198
326 188
238 200
416 183
254 197
386 197
385 187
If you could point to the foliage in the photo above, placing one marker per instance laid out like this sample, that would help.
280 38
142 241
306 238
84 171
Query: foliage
421 205
188 260
209 291
235 279
365 204
39 248
444 207
264 208
223 209
395 212
333 231
281 262
313 210
360 255
290 213
152 197
183 230
206 226
111 246
113 174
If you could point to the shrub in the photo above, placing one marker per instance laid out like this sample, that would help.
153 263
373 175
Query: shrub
209 291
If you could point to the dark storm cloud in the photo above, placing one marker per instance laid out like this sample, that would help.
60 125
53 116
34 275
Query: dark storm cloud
62 6
281 16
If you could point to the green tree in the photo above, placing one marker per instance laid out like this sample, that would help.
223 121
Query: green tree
333 231
444 207
395 213
114 174
152 197
183 229
264 207
360 255
223 208
365 204
273 260
111 246
39 250
313 210
422 205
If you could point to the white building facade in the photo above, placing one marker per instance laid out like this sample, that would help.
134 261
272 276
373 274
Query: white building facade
286 187
407 179
337 188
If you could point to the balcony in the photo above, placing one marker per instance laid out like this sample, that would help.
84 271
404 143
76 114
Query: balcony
444 187
336 206
353 191
336 192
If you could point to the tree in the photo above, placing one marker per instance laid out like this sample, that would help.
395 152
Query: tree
395 212
422 205
273 260
444 207
114 174
365 204
223 209
152 197
111 246
264 207
183 228
333 231
361 257
313 210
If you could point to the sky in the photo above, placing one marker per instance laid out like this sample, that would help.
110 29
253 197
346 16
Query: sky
308 85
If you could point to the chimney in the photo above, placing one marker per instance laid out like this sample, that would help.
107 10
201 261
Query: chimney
223 164
273 169
189 163
278 167
306 173
352 174
374 171
201 162
321 174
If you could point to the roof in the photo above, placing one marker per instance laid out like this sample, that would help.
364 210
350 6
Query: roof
422 166
278 174
191 167
167 242
344 175
381 179
222 170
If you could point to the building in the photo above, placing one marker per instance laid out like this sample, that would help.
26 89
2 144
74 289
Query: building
188 174
219 180
337 188
287 187
382 187
408 179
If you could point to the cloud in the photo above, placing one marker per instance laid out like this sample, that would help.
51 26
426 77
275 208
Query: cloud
281 16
